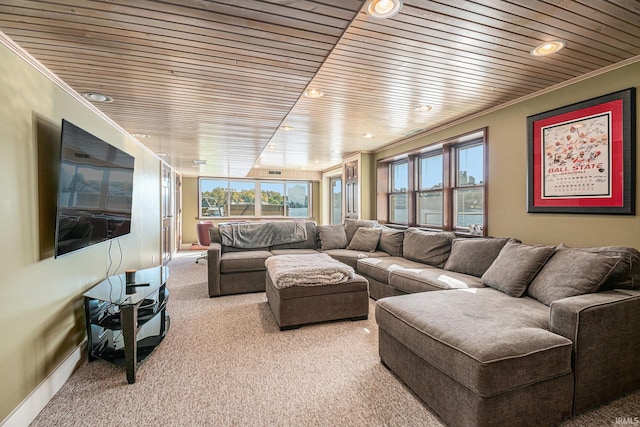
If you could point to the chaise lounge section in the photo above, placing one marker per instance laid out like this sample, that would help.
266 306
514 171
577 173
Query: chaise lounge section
527 335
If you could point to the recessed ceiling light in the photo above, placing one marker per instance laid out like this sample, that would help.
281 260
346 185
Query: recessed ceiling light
140 135
313 93
97 97
547 48
423 108
368 135
382 9
199 162
286 128
161 154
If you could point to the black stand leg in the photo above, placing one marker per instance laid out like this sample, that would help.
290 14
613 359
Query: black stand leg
129 324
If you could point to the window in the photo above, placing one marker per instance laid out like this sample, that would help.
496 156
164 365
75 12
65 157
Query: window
430 190
438 188
272 198
336 200
237 198
399 194
297 200
468 191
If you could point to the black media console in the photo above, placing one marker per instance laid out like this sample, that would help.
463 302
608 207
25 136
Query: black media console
125 323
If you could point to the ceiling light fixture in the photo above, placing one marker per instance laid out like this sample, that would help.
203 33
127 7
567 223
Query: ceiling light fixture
97 97
423 108
382 9
547 48
368 135
286 128
140 135
313 93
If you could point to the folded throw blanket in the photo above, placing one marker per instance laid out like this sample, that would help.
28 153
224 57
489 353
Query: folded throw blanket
262 234
307 270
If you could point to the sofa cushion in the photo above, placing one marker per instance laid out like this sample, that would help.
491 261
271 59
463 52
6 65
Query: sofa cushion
626 275
486 340
332 236
391 241
379 268
515 267
428 247
412 280
293 251
365 239
352 225
570 272
311 241
474 255
234 262
351 258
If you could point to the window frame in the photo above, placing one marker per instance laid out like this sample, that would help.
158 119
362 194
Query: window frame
407 193
420 190
456 186
257 199
450 186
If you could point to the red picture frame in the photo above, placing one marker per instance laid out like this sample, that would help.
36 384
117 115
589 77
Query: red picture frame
581 157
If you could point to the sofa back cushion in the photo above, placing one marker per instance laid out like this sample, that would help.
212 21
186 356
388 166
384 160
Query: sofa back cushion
626 275
391 241
571 272
428 247
332 237
515 267
310 243
473 256
352 225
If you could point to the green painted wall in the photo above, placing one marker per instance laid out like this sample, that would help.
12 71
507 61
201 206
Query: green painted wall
41 306
507 169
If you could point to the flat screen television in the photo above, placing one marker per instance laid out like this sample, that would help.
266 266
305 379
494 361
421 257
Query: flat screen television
95 190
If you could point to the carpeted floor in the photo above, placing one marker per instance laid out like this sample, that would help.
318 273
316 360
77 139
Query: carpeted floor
225 363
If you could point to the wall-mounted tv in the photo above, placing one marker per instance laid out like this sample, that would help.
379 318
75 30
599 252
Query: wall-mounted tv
95 190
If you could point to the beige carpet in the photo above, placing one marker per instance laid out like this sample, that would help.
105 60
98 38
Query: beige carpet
225 363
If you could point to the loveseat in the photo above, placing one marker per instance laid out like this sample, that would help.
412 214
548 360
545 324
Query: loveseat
496 332
237 253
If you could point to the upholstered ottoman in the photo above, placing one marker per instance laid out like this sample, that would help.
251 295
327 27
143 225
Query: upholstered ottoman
303 289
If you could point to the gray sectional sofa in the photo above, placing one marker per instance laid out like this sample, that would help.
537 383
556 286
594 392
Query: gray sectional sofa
486 331
493 332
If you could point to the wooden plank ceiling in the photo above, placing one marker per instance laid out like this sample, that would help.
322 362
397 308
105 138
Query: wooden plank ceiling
216 80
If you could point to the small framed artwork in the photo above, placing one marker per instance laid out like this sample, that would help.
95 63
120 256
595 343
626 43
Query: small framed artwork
581 157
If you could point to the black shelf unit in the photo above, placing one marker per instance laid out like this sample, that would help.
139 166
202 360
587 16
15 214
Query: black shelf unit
126 323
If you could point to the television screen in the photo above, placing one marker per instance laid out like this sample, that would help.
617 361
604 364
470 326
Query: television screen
95 190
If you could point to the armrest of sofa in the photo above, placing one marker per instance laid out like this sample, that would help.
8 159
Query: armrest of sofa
213 265
606 344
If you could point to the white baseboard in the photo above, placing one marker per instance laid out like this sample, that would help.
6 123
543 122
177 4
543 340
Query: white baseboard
31 406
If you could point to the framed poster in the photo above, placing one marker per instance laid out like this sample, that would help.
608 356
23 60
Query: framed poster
581 158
